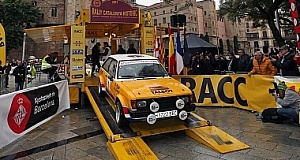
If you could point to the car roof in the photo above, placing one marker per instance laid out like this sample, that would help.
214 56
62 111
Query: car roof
124 57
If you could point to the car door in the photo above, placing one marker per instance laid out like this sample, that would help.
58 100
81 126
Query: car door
104 73
111 81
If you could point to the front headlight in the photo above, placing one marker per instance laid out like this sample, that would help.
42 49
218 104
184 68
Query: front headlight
186 99
141 104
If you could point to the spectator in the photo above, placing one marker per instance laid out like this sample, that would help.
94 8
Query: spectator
107 51
288 99
7 70
131 49
232 62
285 62
198 67
95 57
262 65
121 50
220 63
244 60
19 73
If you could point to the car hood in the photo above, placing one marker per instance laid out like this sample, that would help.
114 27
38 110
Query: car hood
153 88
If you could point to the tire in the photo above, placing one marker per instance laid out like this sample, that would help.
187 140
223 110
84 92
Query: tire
120 118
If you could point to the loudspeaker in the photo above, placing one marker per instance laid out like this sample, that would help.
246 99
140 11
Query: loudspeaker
180 18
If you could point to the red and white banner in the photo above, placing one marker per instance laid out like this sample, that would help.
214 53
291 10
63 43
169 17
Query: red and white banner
24 110
296 19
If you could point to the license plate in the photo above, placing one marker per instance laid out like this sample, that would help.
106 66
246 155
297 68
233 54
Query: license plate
165 114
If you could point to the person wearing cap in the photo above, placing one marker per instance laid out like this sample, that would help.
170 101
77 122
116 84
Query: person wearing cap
262 65
288 99
285 62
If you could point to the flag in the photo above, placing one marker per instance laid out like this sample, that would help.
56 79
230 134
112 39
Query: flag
171 53
179 54
186 55
161 50
156 49
2 45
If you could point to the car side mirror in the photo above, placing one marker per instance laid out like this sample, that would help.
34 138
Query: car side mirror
111 78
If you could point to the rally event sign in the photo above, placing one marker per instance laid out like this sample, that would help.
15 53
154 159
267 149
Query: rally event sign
2 45
77 57
24 110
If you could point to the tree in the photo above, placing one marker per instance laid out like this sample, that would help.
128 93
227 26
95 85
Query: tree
228 45
16 15
221 46
262 12
235 44
206 38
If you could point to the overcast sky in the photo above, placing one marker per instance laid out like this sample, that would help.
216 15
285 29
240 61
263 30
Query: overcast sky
150 2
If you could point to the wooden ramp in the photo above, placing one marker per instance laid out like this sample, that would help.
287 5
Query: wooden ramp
216 139
131 149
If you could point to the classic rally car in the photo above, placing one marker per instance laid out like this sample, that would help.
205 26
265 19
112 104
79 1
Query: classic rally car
142 90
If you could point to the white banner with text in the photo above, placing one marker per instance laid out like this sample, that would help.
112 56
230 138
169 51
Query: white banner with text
24 110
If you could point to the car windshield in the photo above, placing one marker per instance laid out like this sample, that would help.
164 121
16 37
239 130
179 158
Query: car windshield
140 69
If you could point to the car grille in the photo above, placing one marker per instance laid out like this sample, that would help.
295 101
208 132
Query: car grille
166 103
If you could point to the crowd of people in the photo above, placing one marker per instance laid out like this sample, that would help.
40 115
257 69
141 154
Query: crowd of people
281 62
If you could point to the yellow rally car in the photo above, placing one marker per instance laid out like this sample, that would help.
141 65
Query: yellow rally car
142 90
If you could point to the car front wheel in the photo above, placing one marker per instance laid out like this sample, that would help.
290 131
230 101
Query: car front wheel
120 118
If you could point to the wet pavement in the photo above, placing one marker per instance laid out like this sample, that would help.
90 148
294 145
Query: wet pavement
74 135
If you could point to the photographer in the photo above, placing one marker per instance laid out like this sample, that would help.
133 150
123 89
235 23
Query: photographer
288 99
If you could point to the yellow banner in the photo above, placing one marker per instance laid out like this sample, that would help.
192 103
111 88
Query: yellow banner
241 91
2 45
148 40
77 55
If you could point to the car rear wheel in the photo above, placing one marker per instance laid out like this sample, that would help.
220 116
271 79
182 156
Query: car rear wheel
120 118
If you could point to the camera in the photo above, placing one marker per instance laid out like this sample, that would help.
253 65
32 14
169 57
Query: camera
275 89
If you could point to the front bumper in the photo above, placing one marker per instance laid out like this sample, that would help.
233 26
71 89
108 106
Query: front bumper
142 113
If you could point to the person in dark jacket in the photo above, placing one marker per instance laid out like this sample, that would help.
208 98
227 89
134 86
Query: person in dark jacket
95 57
131 49
220 63
243 61
232 62
285 62
19 73
121 50
198 66
6 70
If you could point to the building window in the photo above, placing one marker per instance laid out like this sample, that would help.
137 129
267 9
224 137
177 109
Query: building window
175 8
164 20
248 30
195 19
155 21
196 29
193 29
154 13
265 35
191 17
204 12
164 12
171 10
205 24
256 44
266 43
54 11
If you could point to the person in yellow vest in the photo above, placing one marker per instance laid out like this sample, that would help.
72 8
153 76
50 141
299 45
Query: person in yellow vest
48 68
